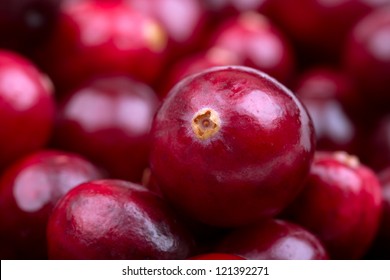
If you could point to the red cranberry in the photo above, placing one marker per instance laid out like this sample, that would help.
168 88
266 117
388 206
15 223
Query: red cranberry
184 21
273 240
227 7
25 23
113 219
29 189
103 37
257 43
367 57
326 93
26 107
381 246
230 135
108 120
216 256
319 27
341 204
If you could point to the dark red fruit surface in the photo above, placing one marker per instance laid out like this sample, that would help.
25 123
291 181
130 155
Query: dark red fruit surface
113 219
367 56
25 23
108 120
341 204
328 95
26 107
273 240
103 37
216 256
230 146
318 27
257 43
29 190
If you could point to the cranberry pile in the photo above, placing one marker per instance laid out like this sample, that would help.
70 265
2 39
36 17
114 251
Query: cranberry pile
195 129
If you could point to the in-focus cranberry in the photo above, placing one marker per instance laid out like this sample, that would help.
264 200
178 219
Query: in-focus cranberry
108 120
29 189
273 240
328 96
26 107
317 27
216 256
103 37
367 57
113 219
380 249
231 145
257 43
341 204
26 23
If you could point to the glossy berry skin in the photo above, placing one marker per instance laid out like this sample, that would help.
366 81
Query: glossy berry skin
113 219
319 28
103 37
367 57
233 134
257 43
380 249
329 96
25 23
184 22
26 107
341 204
29 190
273 240
108 120
216 256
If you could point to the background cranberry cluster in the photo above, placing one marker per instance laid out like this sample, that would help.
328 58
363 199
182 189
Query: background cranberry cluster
81 80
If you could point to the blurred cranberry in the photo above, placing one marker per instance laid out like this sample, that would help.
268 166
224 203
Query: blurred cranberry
341 204
25 23
319 27
216 256
378 149
257 43
113 219
26 107
273 240
184 21
196 63
108 120
229 7
29 189
103 37
328 94
367 57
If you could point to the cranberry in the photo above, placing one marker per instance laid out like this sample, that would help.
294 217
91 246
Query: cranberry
319 27
29 189
257 43
230 135
381 246
26 107
228 7
341 204
183 21
103 37
367 57
273 240
113 219
378 153
216 256
26 23
108 120
326 93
